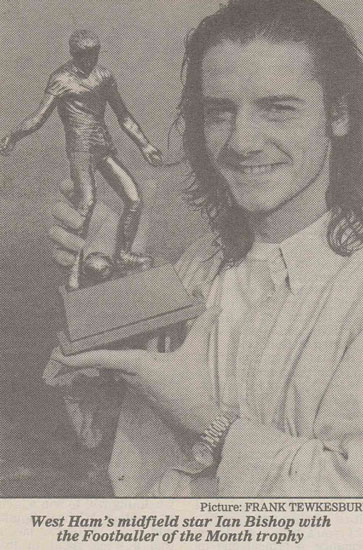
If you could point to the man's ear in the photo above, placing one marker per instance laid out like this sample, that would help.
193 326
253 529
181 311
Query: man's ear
340 118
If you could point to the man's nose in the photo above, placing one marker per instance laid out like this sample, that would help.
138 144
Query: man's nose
247 137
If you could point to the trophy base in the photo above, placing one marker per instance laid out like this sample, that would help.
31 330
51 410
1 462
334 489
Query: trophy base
114 312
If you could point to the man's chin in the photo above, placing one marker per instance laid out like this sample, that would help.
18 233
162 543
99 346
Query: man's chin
257 207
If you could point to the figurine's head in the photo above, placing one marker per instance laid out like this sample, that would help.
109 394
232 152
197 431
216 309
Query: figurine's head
84 47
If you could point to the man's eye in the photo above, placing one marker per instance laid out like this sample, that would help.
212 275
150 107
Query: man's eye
280 111
280 108
217 115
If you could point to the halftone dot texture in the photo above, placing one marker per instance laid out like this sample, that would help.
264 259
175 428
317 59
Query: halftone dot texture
142 43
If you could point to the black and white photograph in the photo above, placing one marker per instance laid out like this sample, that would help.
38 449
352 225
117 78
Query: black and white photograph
181 191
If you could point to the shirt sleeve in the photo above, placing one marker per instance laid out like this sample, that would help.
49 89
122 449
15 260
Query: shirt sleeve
261 460
56 86
114 98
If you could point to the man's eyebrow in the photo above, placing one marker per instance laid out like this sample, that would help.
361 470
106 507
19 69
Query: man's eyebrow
217 101
224 102
281 98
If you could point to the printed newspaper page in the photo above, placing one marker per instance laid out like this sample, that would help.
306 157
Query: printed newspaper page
181 188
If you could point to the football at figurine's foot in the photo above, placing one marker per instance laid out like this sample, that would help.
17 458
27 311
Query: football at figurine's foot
98 267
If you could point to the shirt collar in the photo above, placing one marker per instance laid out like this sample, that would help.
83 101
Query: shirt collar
304 258
308 257
73 67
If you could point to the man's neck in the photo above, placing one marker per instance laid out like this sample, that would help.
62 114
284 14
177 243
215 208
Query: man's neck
78 69
294 215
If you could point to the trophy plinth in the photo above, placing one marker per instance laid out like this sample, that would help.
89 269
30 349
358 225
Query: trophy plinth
112 312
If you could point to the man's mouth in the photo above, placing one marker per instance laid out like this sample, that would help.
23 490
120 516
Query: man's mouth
256 170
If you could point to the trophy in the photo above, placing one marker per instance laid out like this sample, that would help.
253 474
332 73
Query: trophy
139 298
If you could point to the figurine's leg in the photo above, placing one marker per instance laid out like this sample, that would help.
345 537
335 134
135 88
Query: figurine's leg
82 175
125 186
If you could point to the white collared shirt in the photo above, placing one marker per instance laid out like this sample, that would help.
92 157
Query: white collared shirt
251 296
288 356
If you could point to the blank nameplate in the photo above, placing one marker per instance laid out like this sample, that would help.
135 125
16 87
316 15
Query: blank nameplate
115 310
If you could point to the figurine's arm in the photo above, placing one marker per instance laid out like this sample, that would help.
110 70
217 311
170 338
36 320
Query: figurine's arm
132 128
30 124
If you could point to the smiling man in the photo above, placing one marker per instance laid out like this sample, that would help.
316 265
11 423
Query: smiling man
269 380
265 124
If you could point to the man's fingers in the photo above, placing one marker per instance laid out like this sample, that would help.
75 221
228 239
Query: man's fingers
66 187
101 236
68 216
62 257
65 239
128 361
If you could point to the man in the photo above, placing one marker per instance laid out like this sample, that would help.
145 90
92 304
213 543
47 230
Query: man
268 383
81 89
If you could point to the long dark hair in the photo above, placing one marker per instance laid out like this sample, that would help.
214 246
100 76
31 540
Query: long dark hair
339 67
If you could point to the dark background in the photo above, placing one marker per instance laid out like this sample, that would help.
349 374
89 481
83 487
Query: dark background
142 43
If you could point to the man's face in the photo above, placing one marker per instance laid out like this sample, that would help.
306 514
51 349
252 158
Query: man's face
265 123
87 60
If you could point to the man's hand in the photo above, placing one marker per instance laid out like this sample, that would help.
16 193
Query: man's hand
177 384
101 236
152 155
7 144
